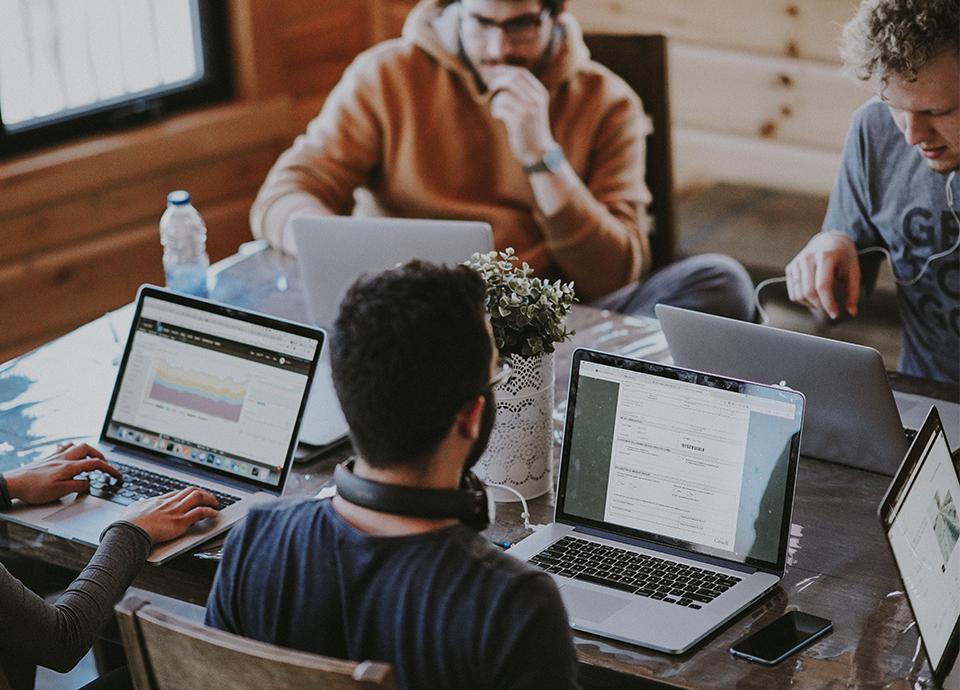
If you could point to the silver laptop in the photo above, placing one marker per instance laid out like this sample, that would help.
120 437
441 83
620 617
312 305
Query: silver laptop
674 500
921 519
333 251
206 395
852 415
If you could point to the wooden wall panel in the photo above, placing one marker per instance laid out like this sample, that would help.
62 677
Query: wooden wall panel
318 42
136 200
96 164
748 78
793 101
806 29
702 157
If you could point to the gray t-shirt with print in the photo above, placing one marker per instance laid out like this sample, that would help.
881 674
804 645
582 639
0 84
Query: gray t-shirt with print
886 196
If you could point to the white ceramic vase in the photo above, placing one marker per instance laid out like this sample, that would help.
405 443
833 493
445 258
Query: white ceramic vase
520 451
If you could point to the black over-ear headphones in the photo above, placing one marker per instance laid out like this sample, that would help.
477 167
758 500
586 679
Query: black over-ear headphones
469 503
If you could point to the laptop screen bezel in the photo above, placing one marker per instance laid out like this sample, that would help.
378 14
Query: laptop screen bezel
219 309
912 462
657 369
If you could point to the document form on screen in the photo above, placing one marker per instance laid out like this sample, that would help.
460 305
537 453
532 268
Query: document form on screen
678 458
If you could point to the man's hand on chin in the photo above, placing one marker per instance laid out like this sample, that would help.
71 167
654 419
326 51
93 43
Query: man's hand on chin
521 103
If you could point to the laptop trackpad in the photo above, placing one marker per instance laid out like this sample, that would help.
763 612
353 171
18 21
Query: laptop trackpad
588 605
83 519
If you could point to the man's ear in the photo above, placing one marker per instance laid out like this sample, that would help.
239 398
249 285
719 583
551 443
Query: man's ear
468 419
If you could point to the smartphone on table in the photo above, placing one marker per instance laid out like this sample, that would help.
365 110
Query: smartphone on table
790 633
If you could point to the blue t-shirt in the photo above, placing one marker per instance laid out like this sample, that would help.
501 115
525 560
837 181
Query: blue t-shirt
446 608
886 196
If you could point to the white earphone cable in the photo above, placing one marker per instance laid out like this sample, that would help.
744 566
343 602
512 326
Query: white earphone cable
526 511
879 250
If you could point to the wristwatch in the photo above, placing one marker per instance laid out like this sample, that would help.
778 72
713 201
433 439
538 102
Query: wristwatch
552 161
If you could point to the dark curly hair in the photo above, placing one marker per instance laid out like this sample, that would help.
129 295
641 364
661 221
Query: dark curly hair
410 348
899 37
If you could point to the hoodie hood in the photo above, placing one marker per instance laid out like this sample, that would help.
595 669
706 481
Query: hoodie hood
435 28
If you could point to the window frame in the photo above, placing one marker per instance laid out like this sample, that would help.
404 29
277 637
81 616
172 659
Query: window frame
215 86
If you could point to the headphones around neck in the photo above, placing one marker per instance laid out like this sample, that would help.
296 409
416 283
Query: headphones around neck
469 504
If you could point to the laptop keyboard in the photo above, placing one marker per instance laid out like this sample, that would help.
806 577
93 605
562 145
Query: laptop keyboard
139 484
637 573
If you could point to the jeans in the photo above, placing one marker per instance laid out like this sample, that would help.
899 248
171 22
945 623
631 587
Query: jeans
711 283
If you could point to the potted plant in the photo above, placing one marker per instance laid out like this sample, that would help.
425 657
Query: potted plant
527 315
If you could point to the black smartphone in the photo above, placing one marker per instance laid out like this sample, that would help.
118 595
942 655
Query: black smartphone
775 642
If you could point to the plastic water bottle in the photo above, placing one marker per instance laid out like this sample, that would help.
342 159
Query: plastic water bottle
184 239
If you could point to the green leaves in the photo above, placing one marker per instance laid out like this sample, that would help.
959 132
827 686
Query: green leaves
526 313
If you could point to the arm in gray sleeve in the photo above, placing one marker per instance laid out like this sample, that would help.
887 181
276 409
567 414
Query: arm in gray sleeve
58 635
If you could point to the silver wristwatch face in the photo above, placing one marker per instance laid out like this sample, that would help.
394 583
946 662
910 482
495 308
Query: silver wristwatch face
553 159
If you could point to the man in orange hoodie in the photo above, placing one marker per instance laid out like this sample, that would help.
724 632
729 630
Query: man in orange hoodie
492 110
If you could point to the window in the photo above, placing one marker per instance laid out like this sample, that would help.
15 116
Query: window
72 67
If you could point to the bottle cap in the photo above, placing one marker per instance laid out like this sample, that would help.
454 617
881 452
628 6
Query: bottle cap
178 198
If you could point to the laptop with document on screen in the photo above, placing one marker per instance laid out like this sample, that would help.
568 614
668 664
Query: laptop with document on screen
852 415
674 499
919 514
333 251
206 395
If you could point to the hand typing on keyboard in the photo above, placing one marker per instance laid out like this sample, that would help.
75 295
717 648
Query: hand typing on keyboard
168 516
138 484
64 472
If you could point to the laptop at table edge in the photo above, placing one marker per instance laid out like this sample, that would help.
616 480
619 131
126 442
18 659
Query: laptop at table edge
865 431
767 576
950 664
39 516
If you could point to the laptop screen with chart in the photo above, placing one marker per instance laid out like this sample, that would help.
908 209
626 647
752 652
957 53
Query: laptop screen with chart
206 389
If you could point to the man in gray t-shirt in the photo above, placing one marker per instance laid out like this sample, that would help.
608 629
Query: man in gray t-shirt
896 182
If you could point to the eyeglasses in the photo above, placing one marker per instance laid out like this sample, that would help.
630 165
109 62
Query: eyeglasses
502 375
525 29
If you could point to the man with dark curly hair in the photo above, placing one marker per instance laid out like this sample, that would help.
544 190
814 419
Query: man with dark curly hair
414 364
895 190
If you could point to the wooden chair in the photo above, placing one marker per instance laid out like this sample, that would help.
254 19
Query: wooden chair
166 651
641 61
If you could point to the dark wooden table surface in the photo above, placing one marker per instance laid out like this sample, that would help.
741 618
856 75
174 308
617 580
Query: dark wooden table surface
839 564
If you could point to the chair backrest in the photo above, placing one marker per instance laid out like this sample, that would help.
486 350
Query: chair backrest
641 61
166 652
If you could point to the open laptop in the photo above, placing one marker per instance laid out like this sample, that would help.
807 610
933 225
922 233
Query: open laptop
333 251
921 519
674 502
852 415
206 395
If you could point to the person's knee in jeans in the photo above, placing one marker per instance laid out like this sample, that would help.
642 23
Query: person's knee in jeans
727 287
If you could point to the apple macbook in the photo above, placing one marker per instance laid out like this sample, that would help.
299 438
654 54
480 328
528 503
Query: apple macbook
919 515
852 416
674 499
333 251
206 395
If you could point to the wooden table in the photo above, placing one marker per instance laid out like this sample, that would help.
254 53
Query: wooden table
839 564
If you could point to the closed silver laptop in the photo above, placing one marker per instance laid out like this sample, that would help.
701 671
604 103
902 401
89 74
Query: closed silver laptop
852 416
333 251
674 499
206 395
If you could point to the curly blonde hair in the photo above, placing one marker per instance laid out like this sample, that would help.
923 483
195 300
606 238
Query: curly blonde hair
899 37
